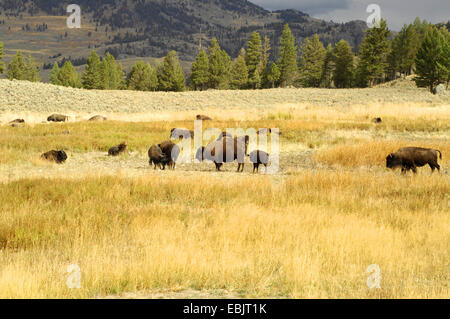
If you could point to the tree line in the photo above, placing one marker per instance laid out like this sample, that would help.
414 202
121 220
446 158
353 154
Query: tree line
419 48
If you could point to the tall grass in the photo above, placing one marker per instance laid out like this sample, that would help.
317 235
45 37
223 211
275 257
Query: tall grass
312 234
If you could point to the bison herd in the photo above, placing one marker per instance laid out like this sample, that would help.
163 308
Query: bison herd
228 148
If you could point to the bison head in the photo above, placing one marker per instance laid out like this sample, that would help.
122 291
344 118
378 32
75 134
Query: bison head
392 161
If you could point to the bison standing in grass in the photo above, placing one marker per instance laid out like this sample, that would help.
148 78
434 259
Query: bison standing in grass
409 158
55 156
171 151
257 158
157 157
117 150
225 150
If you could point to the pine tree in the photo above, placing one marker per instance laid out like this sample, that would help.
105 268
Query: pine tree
17 68
273 76
287 61
200 71
111 73
92 77
142 77
68 76
265 61
328 67
373 55
32 70
433 60
219 66
123 77
170 74
312 61
54 74
239 72
253 57
2 53
343 60
404 49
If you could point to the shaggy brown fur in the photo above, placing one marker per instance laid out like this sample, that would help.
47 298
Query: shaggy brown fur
57 118
55 156
116 150
203 118
157 157
171 151
257 158
409 158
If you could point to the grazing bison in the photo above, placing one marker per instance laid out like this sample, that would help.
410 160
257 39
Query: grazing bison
171 151
257 158
225 150
98 118
157 157
55 156
181 133
17 121
57 118
264 131
409 158
203 118
116 150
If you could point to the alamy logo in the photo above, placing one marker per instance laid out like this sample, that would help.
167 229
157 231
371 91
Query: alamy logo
374 280
74 279
74 20
373 21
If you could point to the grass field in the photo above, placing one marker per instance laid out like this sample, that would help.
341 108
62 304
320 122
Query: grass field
311 230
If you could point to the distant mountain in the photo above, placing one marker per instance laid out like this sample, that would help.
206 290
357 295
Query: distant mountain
150 28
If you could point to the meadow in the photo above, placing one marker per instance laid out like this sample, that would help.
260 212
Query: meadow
309 231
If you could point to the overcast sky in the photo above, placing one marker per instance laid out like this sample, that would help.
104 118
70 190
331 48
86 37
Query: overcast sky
396 12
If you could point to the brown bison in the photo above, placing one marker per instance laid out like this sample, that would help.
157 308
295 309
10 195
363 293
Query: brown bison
97 118
55 156
257 158
157 157
171 151
377 120
116 150
203 118
409 158
57 118
225 150
180 133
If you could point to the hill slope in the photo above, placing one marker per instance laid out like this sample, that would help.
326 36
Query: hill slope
150 28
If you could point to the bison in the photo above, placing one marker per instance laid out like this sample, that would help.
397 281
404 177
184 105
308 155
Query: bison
57 118
225 150
157 157
116 150
181 133
257 158
55 156
377 120
203 118
409 158
98 118
17 121
171 151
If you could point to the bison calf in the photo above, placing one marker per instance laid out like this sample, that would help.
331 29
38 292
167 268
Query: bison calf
409 158
257 158
116 150
55 156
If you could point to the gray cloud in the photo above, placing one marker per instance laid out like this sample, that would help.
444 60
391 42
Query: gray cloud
396 12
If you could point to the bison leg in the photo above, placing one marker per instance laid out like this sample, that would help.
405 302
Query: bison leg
218 166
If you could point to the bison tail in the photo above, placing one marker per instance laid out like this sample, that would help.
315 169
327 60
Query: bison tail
440 154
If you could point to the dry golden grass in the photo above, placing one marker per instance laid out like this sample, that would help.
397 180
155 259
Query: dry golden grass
307 235
374 153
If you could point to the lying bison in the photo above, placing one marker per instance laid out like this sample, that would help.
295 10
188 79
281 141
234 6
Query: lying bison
257 158
157 157
117 150
180 133
171 151
203 118
57 118
377 120
17 121
409 158
55 156
97 118
225 150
